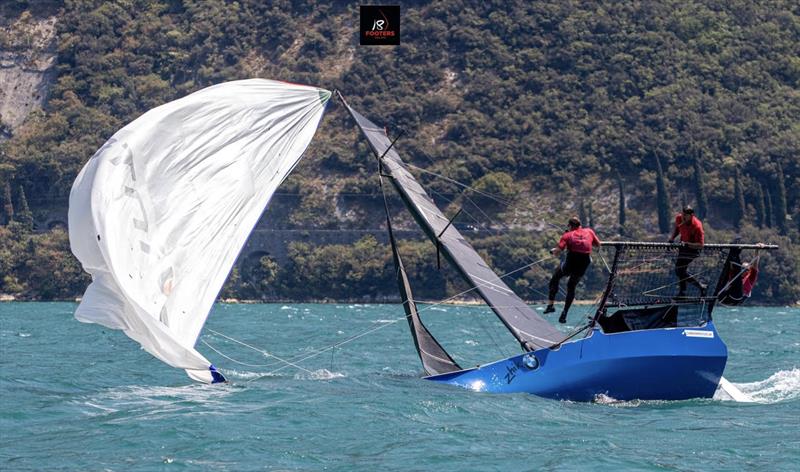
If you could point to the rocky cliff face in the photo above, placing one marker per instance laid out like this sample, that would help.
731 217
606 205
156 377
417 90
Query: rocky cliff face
27 59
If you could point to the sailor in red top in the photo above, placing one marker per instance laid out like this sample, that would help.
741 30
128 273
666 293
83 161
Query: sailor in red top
692 236
742 278
578 242
749 278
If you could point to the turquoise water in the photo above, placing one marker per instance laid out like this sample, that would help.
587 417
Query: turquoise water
81 397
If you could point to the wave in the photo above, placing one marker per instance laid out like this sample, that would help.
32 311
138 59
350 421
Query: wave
126 403
319 374
781 386
233 374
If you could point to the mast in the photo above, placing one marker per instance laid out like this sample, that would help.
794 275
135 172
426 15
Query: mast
531 330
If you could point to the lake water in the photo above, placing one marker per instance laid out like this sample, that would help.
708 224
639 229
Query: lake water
82 397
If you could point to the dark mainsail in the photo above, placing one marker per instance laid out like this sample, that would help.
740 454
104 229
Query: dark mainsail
434 358
530 329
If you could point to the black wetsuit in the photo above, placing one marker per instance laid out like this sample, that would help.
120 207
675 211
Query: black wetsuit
685 257
574 266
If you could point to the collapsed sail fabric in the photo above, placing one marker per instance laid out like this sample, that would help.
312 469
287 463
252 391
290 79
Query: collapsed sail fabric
159 214
530 329
435 360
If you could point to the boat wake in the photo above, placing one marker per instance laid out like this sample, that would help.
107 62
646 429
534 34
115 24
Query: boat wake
603 399
126 403
319 374
780 386
783 385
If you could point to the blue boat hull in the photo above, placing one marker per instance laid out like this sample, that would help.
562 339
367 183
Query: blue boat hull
659 364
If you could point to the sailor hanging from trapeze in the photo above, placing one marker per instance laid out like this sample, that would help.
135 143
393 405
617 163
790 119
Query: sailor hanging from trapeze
741 279
578 242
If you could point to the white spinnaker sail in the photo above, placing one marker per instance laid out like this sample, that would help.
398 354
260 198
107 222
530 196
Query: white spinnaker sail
159 214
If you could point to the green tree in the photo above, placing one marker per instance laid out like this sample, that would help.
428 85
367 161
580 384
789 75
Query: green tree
232 286
10 251
662 200
770 221
699 190
621 204
49 269
8 205
544 95
24 216
780 202
761 212
266 275
739 205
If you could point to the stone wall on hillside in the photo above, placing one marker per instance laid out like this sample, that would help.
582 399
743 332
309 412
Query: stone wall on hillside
27 59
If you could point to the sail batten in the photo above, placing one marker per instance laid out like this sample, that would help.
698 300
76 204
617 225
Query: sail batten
159 214
531 330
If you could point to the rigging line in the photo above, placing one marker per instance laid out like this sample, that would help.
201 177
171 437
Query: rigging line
485 215
483 323
391 322
592 307
287 362
334 346
599 253
428 307
497 198
488 195
571 335
502 243
506 245
480 319
756 259
491 196
453 181
496 233
644 260
232 359
304 357
652 291
508 203
293 362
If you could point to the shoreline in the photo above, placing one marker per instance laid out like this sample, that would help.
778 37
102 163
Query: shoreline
7 298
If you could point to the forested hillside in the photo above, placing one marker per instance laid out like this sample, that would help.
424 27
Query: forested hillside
620 112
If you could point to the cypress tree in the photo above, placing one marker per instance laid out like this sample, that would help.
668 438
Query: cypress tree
699 189
662 199
761 211
25 215
591 214
621 205
797 219
739 207
8 207
768 207
780 203
581 211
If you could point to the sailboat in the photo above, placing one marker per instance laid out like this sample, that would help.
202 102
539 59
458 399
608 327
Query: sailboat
642 342
160 212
